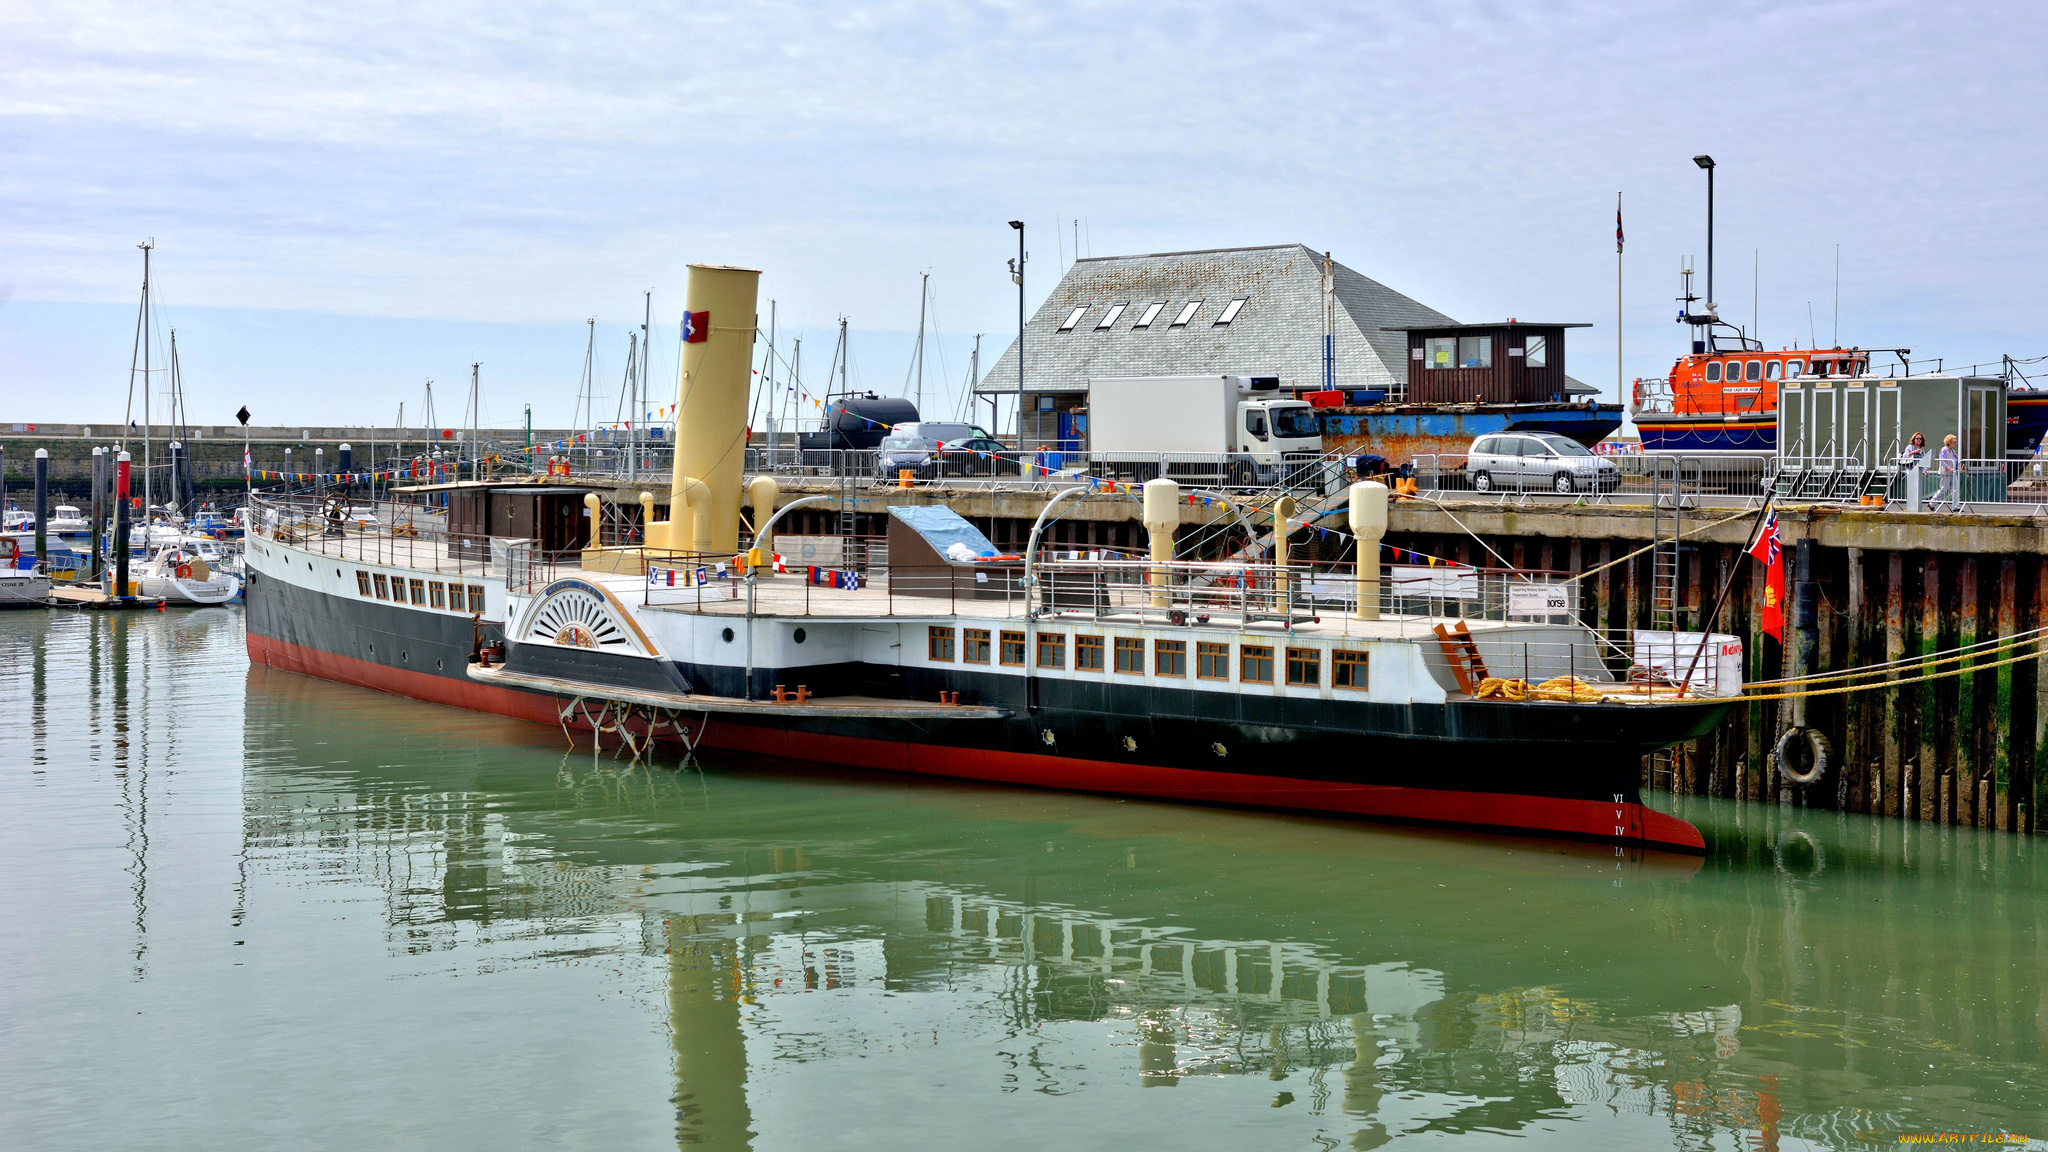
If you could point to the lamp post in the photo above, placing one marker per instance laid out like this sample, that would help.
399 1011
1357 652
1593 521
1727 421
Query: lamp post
1017 274
1707 162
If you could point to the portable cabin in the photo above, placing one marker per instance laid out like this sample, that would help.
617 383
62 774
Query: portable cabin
1861 425
1865 422
1506 363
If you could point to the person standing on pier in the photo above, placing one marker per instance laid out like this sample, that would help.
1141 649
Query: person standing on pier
1951 474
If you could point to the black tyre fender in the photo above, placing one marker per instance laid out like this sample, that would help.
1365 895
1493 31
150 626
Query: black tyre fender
1816 742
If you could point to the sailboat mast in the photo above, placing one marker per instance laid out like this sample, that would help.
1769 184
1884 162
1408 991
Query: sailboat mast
923 292
148 501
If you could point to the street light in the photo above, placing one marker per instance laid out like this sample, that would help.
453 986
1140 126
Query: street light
1017 274
1707 162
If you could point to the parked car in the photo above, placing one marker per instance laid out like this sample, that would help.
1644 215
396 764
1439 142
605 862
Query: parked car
978 456
899 451
1539 461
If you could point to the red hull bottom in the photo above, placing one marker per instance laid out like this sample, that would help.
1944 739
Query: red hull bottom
1627 822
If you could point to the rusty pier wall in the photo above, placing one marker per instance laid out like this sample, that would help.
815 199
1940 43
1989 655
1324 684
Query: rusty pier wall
1967 749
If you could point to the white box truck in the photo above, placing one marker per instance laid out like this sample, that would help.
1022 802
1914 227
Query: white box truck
1240 431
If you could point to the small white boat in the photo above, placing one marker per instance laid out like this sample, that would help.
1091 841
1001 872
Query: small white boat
66 522
20 587
179 575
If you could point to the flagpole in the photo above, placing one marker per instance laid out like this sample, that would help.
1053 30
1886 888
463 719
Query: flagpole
1707 628
1620 395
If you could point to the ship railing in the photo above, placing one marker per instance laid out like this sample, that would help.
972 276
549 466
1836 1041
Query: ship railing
1640 478
396 534
1049 467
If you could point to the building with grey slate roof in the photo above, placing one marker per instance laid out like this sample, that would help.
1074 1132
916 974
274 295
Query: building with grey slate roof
1224 311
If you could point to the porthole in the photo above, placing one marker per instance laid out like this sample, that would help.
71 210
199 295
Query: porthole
1219 749
437 665
407 658
1130 744
1047 736
797 636
726 635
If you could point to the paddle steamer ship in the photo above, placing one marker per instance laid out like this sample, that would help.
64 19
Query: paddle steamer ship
1321 689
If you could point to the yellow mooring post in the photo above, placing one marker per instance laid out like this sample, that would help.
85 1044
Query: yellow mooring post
1162 518
762 492
1369 525
1283 512
711 411
590 504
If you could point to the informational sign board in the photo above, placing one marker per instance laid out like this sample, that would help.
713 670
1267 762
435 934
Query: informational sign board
1541 600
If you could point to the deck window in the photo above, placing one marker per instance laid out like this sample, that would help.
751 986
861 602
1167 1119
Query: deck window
1052 650
437 594
476 598
1230 311
1151 314
362 583
1795 367
1535 352
1170 658
1212 661
1255 663
1073 318
1187 313
939 643
1772 368
1475 351
1441 351
378 580
1305 667
1713 371
1013 649
1754 372
419 592
1087 653
1348 669
1130 655
974 646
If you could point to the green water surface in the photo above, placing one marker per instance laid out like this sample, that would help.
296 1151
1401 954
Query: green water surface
245 909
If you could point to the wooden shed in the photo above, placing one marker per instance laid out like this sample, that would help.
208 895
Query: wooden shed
1511 362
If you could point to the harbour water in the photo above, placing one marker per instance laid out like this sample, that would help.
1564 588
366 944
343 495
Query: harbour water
246 909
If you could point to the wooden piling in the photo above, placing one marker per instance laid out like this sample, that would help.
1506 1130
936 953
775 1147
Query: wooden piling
1894 650
2003 700
1969 723
1853 782
1929 712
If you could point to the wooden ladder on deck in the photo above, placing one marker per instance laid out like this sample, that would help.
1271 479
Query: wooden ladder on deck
1463 653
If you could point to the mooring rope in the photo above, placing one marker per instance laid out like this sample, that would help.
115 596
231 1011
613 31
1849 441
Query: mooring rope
1963 671
1948 656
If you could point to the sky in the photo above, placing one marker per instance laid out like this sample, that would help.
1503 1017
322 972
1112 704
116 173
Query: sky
348 200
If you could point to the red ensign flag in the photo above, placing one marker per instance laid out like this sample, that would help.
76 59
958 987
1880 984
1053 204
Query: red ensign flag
1766 549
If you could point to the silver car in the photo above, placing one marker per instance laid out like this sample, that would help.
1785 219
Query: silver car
1537 461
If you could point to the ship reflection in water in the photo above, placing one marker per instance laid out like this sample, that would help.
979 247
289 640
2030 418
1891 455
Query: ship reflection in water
459 935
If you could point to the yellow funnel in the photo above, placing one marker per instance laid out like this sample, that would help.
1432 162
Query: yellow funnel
711 413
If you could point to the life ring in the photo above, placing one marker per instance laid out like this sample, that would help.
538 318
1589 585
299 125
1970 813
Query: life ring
1816 743
184 571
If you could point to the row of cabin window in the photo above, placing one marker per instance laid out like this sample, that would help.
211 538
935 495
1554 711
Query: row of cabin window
1151 313
1756 370
1304 666
1477 352
425 593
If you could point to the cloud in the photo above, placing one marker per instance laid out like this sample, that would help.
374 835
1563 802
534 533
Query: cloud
519 163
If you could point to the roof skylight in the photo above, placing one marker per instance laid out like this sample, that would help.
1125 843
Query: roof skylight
1110 316
1073 318
1230 311
1186 314
1151 314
